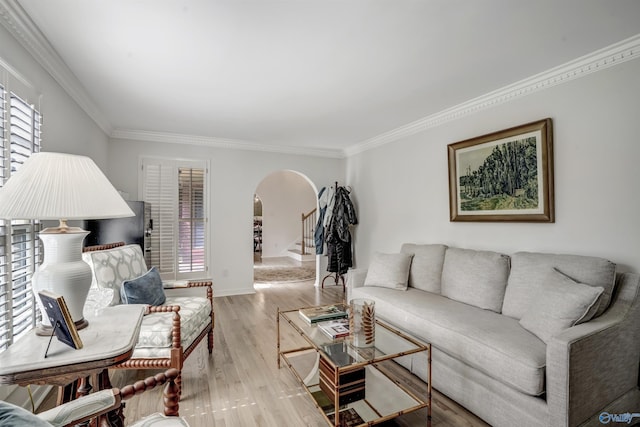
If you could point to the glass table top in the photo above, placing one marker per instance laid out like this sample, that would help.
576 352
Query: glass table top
389 343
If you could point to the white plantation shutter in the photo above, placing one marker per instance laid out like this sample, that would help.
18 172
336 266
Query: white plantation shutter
6 327
159 184
191 220
176 192
24 124
20 250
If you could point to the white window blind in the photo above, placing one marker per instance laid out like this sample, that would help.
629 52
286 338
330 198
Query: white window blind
176 191
191 220
20 250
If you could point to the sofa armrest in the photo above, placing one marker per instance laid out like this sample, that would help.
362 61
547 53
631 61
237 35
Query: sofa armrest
190 283
356 277
188 287
594 363
192 287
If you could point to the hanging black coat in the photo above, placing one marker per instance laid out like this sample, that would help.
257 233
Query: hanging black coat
338 236
318 235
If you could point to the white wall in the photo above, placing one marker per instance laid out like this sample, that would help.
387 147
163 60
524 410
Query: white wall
234 177
285 196
66 127
401 189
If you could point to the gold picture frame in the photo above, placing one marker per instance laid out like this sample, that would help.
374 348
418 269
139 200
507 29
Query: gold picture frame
503 176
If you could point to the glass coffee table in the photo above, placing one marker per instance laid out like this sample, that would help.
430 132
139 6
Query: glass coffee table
351 381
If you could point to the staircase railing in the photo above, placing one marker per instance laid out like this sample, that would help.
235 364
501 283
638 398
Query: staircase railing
308 228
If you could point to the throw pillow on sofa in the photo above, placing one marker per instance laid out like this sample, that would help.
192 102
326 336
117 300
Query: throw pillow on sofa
561 304
426 266
529 271
477 278
389 270
146 289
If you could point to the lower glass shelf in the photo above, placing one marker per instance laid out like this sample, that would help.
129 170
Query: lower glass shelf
383 398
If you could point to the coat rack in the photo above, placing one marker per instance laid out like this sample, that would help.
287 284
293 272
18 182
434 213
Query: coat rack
350 217
335 276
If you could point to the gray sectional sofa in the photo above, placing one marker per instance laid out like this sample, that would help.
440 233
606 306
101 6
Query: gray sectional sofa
529 339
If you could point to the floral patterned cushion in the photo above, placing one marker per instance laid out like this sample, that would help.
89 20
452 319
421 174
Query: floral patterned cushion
155 331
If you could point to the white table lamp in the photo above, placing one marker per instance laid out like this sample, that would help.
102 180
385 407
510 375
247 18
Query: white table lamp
56 186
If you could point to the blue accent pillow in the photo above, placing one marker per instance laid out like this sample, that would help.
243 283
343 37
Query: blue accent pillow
15 416
146 289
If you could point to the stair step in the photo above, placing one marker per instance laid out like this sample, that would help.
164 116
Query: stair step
309 248
297 254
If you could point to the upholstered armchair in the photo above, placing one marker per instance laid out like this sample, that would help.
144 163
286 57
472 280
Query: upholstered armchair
104 406
169 332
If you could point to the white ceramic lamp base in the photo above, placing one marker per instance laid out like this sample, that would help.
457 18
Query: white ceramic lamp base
63 272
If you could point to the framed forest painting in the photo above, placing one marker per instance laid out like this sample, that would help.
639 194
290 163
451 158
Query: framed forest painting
503 176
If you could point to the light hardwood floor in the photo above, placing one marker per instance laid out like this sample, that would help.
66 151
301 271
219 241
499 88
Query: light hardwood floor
240 384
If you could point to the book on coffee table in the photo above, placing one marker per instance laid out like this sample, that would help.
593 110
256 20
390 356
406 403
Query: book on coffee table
325 312
348 417
335 328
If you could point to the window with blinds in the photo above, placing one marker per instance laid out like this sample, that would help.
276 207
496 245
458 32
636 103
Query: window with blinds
191 220
20 250
176 191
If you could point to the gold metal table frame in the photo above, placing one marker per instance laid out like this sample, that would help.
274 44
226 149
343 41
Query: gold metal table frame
382 396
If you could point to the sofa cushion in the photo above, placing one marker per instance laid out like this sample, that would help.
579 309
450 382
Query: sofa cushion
560 304
492 343
155 331
146 289
529 272
389 270
426 266
478 278
113 266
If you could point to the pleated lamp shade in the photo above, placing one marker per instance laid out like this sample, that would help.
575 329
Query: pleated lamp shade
53 186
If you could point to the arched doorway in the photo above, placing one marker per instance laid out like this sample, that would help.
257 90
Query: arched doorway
285 196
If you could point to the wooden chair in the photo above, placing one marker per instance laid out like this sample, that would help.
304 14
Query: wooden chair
106 406
169 332
102 408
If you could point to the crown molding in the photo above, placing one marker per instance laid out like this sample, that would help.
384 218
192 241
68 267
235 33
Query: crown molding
19 24
615 54
232 144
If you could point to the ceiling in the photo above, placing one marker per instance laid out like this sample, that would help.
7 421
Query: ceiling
310 74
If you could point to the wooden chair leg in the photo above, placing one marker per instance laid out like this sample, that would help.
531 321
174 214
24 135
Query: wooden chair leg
178 382
171 399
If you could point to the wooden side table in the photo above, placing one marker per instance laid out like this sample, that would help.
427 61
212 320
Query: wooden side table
108 340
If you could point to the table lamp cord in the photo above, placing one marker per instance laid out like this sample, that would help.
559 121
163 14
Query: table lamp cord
33 406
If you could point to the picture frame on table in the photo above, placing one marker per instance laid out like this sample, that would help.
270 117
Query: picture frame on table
503 176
